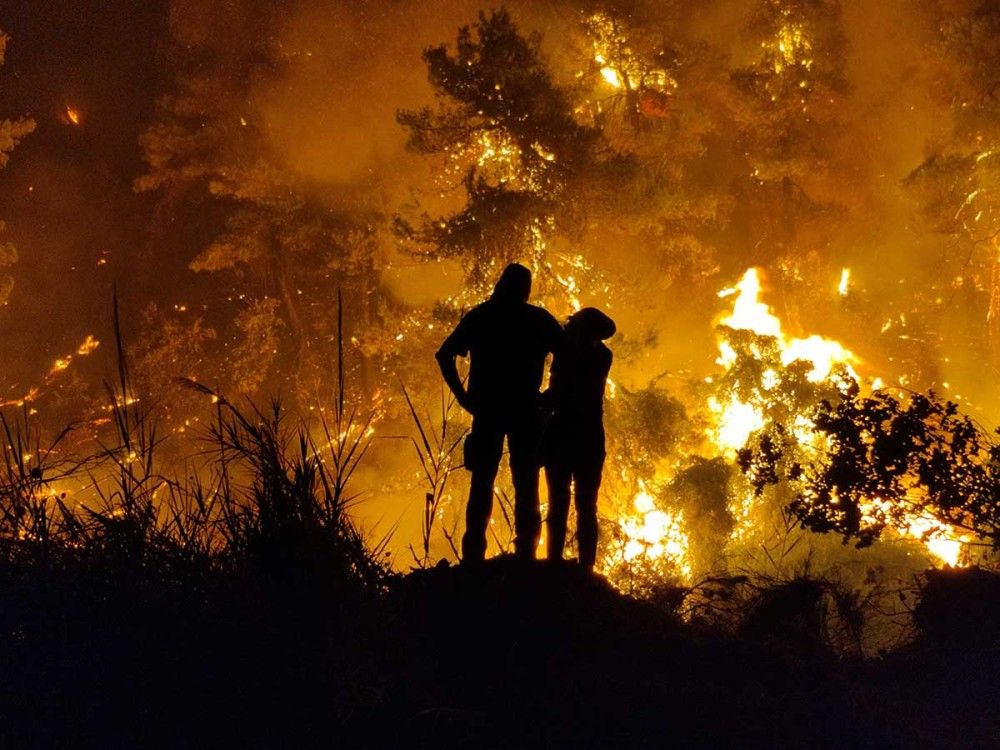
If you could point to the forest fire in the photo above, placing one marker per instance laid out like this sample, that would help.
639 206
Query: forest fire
244 247
535 170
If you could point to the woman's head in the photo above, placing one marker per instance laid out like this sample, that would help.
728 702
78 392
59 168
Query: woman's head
590 324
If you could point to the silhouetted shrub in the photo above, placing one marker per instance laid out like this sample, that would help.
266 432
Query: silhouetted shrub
960 607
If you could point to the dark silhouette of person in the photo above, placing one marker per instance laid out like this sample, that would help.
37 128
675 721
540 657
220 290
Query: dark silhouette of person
574 438
507 340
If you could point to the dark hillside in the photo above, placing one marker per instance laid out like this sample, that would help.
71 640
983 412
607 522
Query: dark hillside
506 656
544 656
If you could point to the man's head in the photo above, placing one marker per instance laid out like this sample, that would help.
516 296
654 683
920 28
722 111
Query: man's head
514 284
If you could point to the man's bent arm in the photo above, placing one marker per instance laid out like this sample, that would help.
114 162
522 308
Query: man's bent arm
446 361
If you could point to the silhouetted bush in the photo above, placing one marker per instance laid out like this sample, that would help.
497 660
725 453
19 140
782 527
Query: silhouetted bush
886 461
960 608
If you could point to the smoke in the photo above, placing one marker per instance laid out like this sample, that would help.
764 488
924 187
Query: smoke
333 114
349 66
354 65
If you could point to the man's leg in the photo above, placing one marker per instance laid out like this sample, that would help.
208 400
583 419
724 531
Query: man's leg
522 440
587 483
483 448
557 478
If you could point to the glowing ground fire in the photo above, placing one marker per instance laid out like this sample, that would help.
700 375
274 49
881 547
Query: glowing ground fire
738 419
659 534
655 533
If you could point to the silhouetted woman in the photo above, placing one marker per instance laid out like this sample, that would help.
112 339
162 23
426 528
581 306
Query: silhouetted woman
574 441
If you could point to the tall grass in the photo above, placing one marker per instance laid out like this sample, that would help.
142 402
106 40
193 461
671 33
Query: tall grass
33 518
436 451
210 601
261 497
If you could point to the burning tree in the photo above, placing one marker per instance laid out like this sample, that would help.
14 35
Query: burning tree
794 85
570 176
11 132
791 406
787 111
508 136
661 101
763 413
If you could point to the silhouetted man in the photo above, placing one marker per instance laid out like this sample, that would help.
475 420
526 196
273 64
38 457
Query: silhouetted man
574 444
507 340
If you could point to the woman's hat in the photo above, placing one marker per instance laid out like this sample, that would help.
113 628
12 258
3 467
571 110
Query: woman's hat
592 324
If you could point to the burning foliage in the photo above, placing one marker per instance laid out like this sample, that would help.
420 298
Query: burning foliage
815 456
508 137
917 466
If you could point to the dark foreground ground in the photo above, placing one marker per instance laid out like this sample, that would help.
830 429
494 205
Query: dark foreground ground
511 656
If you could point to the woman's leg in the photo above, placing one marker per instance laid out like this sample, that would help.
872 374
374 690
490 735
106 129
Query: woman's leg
587 482
557 478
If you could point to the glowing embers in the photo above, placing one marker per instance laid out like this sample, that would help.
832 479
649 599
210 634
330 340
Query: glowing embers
979 210
88 346
618 64
499 160
60 365
498 155
72 116
789 47
568 270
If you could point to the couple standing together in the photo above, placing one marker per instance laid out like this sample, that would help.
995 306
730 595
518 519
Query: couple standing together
507 341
